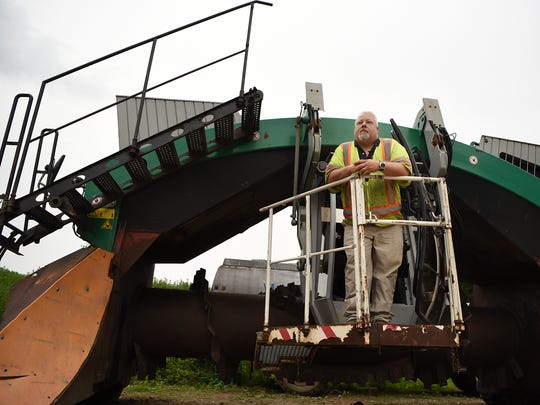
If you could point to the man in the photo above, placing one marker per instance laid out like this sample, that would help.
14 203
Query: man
383 243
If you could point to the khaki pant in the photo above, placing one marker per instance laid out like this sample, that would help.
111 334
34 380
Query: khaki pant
384 252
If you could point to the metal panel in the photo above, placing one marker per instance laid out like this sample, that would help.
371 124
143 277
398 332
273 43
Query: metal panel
123 124
314 95
161 115
521 154
131 110
271 355
522 150
158 114
249 276
170 113
151 116
46 344
190 109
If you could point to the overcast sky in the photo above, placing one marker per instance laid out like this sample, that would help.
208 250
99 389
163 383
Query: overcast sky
479 58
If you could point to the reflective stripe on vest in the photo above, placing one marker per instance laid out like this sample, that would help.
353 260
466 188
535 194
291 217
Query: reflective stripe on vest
392 206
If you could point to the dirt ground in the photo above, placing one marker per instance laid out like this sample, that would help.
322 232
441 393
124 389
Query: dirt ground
262 397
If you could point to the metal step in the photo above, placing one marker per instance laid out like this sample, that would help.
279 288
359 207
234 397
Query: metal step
224 129
108 186
35 234
64 194
8 244
138 170
168 157
44 218
251 116
196 142
47 223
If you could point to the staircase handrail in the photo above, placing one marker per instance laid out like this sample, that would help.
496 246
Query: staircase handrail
153 40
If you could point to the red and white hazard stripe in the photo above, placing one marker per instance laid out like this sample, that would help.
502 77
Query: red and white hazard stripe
315 335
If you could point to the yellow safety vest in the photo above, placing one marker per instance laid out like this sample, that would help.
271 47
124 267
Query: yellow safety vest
382 197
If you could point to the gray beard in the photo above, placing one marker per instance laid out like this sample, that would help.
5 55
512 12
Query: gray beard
363 137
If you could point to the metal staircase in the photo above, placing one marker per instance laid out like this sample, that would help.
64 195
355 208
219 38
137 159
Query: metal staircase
67 194
56 203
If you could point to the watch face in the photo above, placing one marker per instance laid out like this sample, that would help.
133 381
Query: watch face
382 165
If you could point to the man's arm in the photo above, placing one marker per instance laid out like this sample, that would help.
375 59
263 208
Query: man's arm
367 166
339 173
395 169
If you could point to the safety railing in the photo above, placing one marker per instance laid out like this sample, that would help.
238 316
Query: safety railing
15 179
361 217
46 176
15 142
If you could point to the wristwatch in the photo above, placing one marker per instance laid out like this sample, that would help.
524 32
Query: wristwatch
382 166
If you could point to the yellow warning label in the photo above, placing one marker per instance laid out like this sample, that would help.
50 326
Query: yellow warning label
106 225
106 213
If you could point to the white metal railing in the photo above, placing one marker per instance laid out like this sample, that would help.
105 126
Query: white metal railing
360 218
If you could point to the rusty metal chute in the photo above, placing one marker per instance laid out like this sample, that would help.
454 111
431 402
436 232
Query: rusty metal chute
49 329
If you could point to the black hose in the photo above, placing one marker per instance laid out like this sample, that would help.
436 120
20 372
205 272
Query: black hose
424 204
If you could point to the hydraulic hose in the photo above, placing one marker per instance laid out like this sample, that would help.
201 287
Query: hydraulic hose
424 203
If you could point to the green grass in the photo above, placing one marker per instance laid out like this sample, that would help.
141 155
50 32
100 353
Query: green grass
417 386
199 373
184 374
181 372
7 280
176 285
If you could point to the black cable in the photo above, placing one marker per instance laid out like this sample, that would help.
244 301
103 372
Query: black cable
424 203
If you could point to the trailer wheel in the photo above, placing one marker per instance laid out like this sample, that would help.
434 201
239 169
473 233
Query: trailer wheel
467 383
299 387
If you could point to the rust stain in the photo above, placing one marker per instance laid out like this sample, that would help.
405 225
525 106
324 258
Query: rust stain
412 336
55 335
130 246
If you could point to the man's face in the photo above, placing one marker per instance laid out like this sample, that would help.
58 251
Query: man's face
365 128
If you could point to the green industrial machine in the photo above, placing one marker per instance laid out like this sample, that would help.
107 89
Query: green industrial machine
82 326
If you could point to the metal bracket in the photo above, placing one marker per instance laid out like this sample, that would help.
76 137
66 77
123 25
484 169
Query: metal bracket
429 120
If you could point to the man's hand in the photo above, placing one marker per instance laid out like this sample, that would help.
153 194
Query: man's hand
365 166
